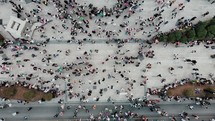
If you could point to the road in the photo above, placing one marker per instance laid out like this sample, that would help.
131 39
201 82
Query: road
47 111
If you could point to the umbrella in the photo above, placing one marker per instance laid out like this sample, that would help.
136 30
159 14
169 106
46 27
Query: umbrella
101 14
81 18
60 69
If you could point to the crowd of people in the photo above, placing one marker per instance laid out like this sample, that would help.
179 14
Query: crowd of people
77 19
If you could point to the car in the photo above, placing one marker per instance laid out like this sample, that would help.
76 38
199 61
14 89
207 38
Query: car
213 56
212 47
1 106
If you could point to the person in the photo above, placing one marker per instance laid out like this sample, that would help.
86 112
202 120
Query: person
69 107
191 107
29 108
25 117
15 113
56 115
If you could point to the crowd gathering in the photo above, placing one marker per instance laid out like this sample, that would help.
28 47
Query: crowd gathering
77 19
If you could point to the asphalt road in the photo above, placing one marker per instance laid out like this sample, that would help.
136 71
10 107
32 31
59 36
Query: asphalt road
47 111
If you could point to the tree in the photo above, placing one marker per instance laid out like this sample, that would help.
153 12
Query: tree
201 33
171 37
201 24
191 34
178 35
212 22
1 40
209 35
163 38
184 39
211 29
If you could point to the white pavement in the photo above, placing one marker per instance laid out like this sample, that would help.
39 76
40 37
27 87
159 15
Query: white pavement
165 55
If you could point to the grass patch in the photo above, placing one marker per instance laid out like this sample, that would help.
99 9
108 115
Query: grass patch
10 92
18 92
193 90
48 96
189 92
29 95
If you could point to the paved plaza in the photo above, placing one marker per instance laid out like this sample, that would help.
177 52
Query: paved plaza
99 51
108 75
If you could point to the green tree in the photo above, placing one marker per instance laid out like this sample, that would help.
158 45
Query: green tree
212 22
209 35
1 40
191 34
171 37
178 35
211 29
201 24
184 39
201 33
163 38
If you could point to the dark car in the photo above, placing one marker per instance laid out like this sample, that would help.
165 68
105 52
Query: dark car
212 47
213 56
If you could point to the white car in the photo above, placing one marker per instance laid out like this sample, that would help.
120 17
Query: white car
10 105
14 114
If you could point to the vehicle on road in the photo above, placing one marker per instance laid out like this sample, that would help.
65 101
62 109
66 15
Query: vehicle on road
2 106
25 118
30 108
213 56
15 113
212 47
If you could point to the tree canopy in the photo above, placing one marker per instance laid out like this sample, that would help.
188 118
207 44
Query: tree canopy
197 32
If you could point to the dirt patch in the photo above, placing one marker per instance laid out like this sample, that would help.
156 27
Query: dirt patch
193 90
18 94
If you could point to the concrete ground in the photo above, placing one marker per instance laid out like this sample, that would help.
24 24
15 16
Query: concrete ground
165 55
